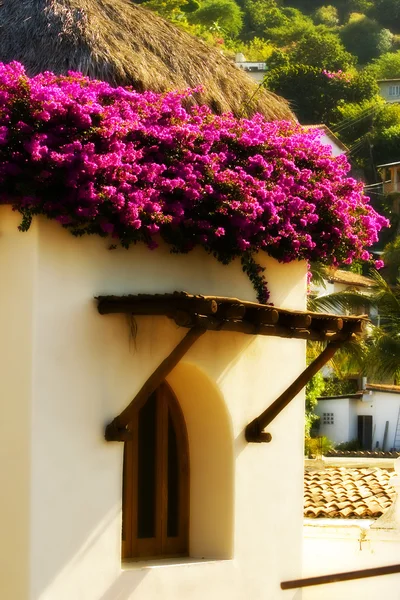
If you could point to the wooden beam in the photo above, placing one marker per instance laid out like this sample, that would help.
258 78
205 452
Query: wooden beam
336 577
328 324
295 320
231 311
262 316
214 323
220 313
156 305
117 430
254 430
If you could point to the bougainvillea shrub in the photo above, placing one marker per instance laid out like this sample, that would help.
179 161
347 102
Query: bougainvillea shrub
140 167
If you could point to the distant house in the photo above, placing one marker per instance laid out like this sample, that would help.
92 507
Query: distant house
390 173
339 280
371 416
255 69
390 89
328 138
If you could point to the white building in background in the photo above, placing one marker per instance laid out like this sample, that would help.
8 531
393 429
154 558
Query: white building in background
390 89
255 69
371 416
328 138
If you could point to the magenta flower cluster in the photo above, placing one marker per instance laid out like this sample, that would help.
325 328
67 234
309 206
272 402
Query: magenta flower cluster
341 75
144 167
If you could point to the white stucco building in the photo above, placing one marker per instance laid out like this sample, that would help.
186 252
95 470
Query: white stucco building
390 89
68 370
372 416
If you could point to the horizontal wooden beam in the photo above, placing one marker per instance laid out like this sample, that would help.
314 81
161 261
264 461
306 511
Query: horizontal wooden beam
156 305
118 429
213 323
254 430
220 313
337 577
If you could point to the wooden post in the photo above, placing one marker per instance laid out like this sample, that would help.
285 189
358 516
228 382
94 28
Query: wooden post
117 430
254 431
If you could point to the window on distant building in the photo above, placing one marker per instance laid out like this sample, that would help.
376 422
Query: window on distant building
394 90
328 418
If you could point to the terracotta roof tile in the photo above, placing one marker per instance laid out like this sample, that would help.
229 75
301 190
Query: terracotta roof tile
347 493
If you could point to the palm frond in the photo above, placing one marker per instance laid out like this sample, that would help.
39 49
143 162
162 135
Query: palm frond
319 274
383 359
341 302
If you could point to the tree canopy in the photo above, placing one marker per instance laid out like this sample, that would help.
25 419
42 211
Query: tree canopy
223 14
366 39
320 49
315 95
386 66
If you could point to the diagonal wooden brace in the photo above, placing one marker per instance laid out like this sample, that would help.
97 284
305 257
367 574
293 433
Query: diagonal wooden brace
117 430
254 430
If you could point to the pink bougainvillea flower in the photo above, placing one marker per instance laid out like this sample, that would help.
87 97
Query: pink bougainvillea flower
139 166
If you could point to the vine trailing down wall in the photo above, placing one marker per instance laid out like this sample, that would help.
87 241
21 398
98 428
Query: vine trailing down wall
143 166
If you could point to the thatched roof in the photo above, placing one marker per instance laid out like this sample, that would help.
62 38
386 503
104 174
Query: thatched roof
123 43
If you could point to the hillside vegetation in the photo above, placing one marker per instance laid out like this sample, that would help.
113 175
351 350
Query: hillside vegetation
325 58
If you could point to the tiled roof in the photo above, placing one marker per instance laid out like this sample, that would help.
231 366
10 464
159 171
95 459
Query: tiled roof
347 493
363 453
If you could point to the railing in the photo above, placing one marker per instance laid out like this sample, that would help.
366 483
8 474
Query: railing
337 577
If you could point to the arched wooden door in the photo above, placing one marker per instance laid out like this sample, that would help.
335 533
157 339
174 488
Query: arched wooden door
155 512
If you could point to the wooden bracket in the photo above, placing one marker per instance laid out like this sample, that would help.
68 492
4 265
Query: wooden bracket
254 431
118 429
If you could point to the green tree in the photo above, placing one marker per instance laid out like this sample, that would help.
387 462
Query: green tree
225 14
386 66
314 389
356 119
386 144
294 24
315 96
269 20
371 130
391 256
366 39
321 49
278 59
169 9
259 14
387 13
254 50
326 15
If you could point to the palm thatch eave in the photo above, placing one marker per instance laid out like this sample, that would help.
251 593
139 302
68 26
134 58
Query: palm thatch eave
122 43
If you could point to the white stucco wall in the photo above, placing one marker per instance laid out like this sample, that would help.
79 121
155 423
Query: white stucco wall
67 371
338 546
382 406
339 431
326 140
384 88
